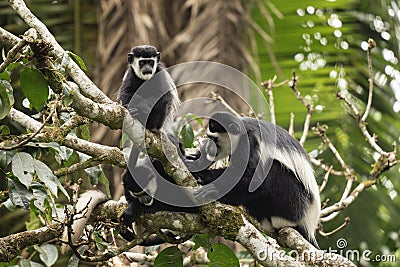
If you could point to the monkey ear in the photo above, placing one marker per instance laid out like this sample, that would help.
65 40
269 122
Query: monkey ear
130 58
158 56
233 128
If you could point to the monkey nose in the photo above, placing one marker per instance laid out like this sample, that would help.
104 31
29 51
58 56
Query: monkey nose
147 70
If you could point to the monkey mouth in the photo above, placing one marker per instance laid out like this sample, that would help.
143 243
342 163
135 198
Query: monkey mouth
146 72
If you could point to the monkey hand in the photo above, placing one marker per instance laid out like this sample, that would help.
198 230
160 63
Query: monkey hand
127 230
139 108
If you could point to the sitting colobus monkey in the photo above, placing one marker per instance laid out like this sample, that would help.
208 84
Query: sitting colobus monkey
152 102
261 153
149 94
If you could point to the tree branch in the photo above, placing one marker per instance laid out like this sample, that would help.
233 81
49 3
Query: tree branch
371 45
308 106
11 245
12 53
111 154
87 87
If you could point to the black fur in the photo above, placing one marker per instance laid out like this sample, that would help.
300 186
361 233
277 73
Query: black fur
280 194
144 202
152 103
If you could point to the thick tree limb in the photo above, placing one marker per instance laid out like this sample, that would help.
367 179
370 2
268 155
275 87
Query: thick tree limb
11 245
87 87
110 154
8 38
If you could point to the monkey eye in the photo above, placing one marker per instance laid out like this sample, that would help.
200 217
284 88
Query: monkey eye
146 62
233 129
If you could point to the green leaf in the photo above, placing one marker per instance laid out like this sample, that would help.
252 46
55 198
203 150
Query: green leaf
35 87
65 153
191 116
6 98
34 222
100 243
73 261
85 132
19 194
221 255
22 168
6 158
45 175
78 60
4 130
187 135
48 178
202 240
39 195
4 76
103 180
9 205
52 145
170 256
14 65
48 254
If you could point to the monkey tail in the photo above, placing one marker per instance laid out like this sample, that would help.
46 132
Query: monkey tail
84 207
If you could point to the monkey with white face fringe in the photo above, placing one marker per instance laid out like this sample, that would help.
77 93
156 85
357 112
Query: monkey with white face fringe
286 193
149 94
152 103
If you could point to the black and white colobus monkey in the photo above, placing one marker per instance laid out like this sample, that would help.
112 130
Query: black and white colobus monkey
151 103
287 194
149 94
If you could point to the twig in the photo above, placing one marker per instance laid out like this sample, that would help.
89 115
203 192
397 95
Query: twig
306 127
345 194
29 138
325 180
361 124
318 163
346 202
268 88
349 173
72 123
12 53
219 98
291 124
343 225
80 166
371 45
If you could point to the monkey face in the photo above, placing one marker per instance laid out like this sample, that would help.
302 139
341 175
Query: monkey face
223 136
144 68
144 59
